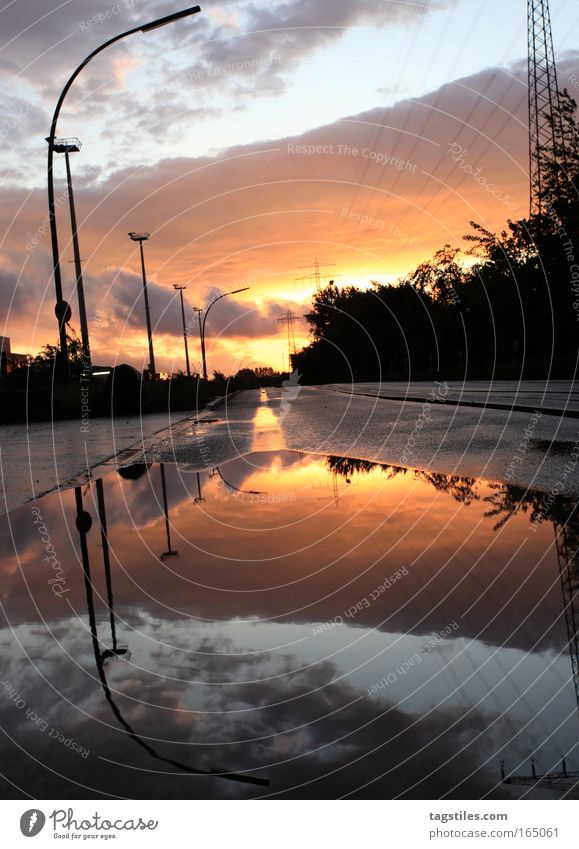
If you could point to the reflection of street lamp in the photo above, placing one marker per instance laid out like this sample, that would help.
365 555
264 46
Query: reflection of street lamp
218 298
116 651
180 290
231 486
62 309
169 552
199 498
140 238
83 526
100 657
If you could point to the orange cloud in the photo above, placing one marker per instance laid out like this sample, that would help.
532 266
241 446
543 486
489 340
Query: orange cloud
374 194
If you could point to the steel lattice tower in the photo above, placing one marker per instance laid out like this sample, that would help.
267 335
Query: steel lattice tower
289 319
546 141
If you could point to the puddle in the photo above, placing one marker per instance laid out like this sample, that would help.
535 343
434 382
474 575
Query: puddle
297 623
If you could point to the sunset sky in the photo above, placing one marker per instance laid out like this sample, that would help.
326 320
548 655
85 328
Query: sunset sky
247 140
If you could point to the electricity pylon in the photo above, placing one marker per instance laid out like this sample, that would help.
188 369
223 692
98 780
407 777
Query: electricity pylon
546 139
316 275
289 319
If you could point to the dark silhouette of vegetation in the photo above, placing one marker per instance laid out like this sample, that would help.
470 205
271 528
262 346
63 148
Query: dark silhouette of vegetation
33 392
42 365
505 500
505 306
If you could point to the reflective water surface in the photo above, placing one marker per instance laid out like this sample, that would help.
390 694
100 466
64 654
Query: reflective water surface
289 624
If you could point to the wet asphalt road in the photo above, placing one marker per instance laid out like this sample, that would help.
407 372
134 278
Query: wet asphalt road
524 448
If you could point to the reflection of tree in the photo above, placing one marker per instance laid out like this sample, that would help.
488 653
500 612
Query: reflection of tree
508 500
462 489
505 502
84 524
347 466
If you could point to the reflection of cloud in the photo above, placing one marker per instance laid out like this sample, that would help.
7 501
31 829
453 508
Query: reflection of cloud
226 669
307 734
239 470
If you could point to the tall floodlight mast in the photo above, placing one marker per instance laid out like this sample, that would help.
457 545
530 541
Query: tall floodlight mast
546 140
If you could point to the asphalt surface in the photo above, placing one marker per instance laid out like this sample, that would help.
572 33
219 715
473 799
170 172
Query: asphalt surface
529 447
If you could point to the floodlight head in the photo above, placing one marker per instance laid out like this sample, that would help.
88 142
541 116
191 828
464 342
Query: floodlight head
177 286
65 145
139 237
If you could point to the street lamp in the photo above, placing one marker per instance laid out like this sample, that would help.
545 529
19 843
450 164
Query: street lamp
218 298
180 290
68 146
62 309
199 310
140 238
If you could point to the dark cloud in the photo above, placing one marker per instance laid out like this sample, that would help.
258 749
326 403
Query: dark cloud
274 37
232 319
58 35
241 49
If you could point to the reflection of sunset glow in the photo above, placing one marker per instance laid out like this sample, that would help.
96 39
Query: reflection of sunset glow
266 427
300 577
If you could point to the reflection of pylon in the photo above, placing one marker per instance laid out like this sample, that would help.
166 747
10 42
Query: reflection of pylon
289 319
316 275
335 486
566 543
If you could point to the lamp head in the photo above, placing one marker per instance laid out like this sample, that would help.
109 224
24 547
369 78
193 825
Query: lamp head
168 19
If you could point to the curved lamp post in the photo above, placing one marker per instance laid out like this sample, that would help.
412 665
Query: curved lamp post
212 304
62 309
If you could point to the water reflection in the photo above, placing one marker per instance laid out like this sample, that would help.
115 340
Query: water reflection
506 501
169 552
83 524
294 617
